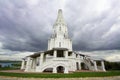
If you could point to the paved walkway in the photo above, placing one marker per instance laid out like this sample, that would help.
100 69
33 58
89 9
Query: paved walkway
92 78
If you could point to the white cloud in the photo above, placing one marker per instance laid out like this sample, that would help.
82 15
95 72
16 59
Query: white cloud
15 56
32 2
114 29
113 57
109 55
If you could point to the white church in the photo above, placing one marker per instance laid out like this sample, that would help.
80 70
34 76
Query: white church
60 58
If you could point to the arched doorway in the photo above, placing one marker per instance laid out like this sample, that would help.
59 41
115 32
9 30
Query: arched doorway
60 69
84 66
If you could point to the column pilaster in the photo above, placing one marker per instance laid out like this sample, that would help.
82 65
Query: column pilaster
54 70
66 70
103 66
79 65
95 66
41 58
55 53
23 64
66 54
34 63
28 66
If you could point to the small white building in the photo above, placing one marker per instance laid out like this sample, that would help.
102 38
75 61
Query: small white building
60 57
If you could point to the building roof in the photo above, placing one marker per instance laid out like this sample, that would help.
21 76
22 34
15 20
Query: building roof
96 59
60 49
35 54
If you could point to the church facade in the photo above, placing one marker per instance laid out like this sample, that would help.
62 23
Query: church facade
60 58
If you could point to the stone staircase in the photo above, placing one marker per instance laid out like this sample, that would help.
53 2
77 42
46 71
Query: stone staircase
88 63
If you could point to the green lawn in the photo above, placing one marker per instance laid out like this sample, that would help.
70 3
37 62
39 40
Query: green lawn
71 75
8 68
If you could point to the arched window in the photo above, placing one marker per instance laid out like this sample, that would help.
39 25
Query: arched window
60 28
59 44
60 69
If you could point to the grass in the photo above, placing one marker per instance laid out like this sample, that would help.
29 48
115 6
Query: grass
8 68
71 75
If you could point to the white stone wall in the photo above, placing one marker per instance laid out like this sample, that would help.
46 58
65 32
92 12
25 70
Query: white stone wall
60 43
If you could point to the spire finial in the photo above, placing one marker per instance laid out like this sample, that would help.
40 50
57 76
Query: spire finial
60 19
59 11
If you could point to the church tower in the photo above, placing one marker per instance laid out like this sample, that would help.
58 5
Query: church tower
60 38
60 58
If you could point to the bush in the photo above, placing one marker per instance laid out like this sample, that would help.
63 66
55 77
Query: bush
112 65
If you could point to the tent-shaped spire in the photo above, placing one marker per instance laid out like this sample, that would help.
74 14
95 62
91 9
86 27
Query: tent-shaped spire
60 19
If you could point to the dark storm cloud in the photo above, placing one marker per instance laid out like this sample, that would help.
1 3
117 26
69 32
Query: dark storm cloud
20 30
95 24
26 25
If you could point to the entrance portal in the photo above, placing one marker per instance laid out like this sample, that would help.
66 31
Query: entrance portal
60 69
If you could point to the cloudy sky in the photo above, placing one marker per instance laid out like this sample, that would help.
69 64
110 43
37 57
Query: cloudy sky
26 25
